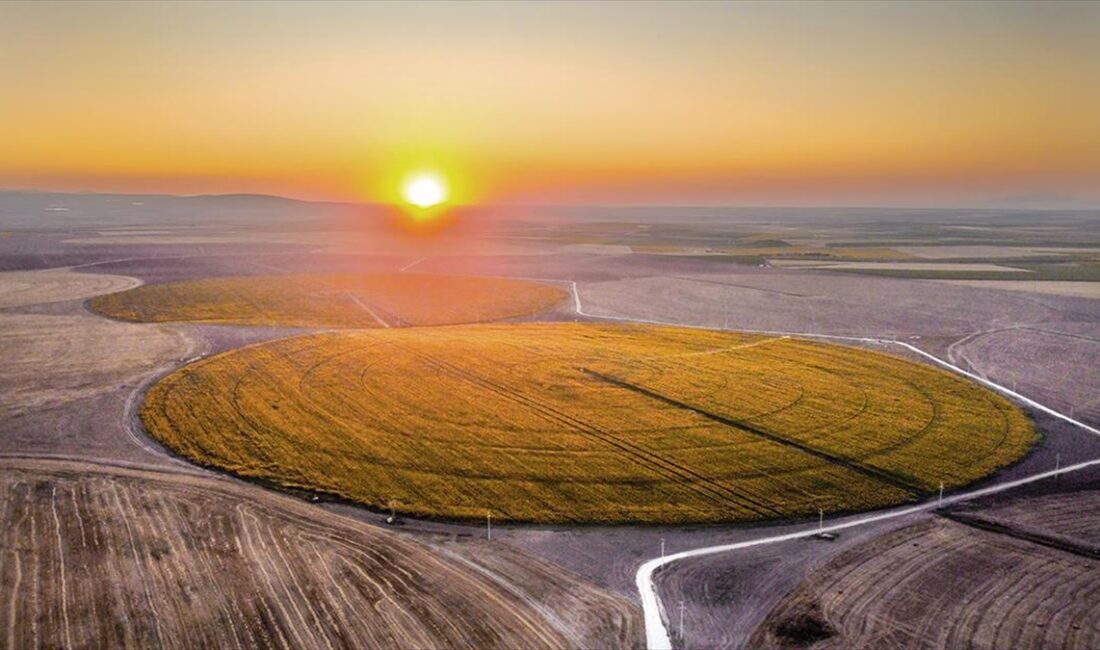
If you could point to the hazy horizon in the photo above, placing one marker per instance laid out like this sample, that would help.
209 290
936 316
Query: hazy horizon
791 104
1042 202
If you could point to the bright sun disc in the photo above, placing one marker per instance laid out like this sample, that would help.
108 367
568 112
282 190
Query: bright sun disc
424 191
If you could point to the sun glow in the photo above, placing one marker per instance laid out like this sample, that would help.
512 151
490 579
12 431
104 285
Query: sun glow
424 190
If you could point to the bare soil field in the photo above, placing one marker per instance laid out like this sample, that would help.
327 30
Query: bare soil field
1072 515
322 241
795 253
1025 574
597 249
26 251
51 359
991 252
576 266
1054 362
19 288
66 374
91 414
100 556
336 300
586 423
727 596
189 239
158 269
898 266
1072 289
789 300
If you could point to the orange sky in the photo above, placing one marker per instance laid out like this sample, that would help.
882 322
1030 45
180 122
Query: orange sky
560 102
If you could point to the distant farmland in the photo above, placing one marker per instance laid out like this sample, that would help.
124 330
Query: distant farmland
586 423
332 300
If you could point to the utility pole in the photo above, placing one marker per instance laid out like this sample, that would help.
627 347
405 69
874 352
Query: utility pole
662 547
1057 462
820 520
489 524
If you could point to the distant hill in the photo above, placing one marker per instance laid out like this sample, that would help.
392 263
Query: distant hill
67 210
1043 201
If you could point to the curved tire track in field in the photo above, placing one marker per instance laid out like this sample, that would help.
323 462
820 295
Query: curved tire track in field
665 466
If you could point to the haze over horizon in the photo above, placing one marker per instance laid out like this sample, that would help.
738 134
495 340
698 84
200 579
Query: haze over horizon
685 103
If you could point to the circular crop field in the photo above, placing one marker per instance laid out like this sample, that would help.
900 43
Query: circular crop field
351 300
586 423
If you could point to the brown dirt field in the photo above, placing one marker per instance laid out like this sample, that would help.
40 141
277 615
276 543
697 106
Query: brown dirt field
331 242
900 266
598 249
1050 287
1075 515
820 253
167 238
18 288
786 300
351 300
1054 363
52 359
94 556
990 252
943 584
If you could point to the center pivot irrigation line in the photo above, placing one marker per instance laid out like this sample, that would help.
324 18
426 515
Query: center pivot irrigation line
657 634
365 306
871 472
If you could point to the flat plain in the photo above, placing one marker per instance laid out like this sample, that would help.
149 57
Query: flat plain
586 423
332 300
686 265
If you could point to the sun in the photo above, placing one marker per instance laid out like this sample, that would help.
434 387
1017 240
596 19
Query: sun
424 190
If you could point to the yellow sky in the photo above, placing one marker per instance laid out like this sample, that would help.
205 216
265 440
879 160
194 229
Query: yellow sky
553 102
